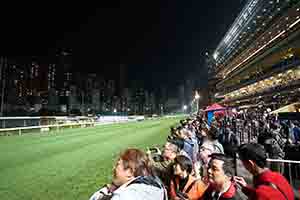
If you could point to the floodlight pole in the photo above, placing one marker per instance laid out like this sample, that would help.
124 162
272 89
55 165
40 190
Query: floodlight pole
196 99
82 103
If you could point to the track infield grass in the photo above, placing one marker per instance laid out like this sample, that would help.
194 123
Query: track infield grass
73 163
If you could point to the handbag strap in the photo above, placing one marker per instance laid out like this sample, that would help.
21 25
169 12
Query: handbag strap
272 185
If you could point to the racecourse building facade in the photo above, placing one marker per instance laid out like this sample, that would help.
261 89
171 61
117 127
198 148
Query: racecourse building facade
258 60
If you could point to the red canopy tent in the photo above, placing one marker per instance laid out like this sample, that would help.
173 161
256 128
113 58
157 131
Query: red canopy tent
214 107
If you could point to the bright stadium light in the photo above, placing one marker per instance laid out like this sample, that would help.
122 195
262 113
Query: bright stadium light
215 55
185 107
197 96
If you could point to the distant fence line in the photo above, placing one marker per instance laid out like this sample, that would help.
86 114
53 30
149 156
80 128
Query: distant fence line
20 125
13 122
44 128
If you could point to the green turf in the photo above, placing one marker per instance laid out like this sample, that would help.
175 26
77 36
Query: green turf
70 164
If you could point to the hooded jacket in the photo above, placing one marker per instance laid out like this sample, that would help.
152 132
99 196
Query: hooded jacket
142 187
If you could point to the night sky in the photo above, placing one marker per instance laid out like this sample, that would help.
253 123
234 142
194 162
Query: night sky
162 42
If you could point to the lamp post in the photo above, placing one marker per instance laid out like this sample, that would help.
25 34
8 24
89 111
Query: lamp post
184 108
197 97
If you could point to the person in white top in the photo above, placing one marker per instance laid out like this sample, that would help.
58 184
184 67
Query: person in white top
132 179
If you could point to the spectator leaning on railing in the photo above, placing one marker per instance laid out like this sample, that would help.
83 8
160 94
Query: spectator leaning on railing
268 185
132 180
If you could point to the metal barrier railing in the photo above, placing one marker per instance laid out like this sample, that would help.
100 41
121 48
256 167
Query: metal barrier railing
290 169
247 134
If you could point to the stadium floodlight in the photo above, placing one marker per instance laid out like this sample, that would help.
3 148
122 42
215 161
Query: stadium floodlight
215 55
185 107
197 96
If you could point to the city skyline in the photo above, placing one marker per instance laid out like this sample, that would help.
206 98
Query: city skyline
156 40
36 86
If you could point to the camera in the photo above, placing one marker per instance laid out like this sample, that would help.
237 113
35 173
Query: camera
155 154
154 150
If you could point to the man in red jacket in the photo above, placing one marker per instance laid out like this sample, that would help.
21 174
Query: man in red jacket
221 187
267 184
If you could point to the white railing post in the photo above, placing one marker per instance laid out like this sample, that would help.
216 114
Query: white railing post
18 130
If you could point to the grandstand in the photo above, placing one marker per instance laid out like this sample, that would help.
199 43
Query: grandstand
259 56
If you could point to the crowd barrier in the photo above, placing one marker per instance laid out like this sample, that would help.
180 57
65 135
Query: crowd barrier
288 168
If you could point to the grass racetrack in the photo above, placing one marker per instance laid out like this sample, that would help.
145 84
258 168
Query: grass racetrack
73 163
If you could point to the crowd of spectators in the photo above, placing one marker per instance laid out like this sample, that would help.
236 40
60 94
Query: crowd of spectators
199 161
